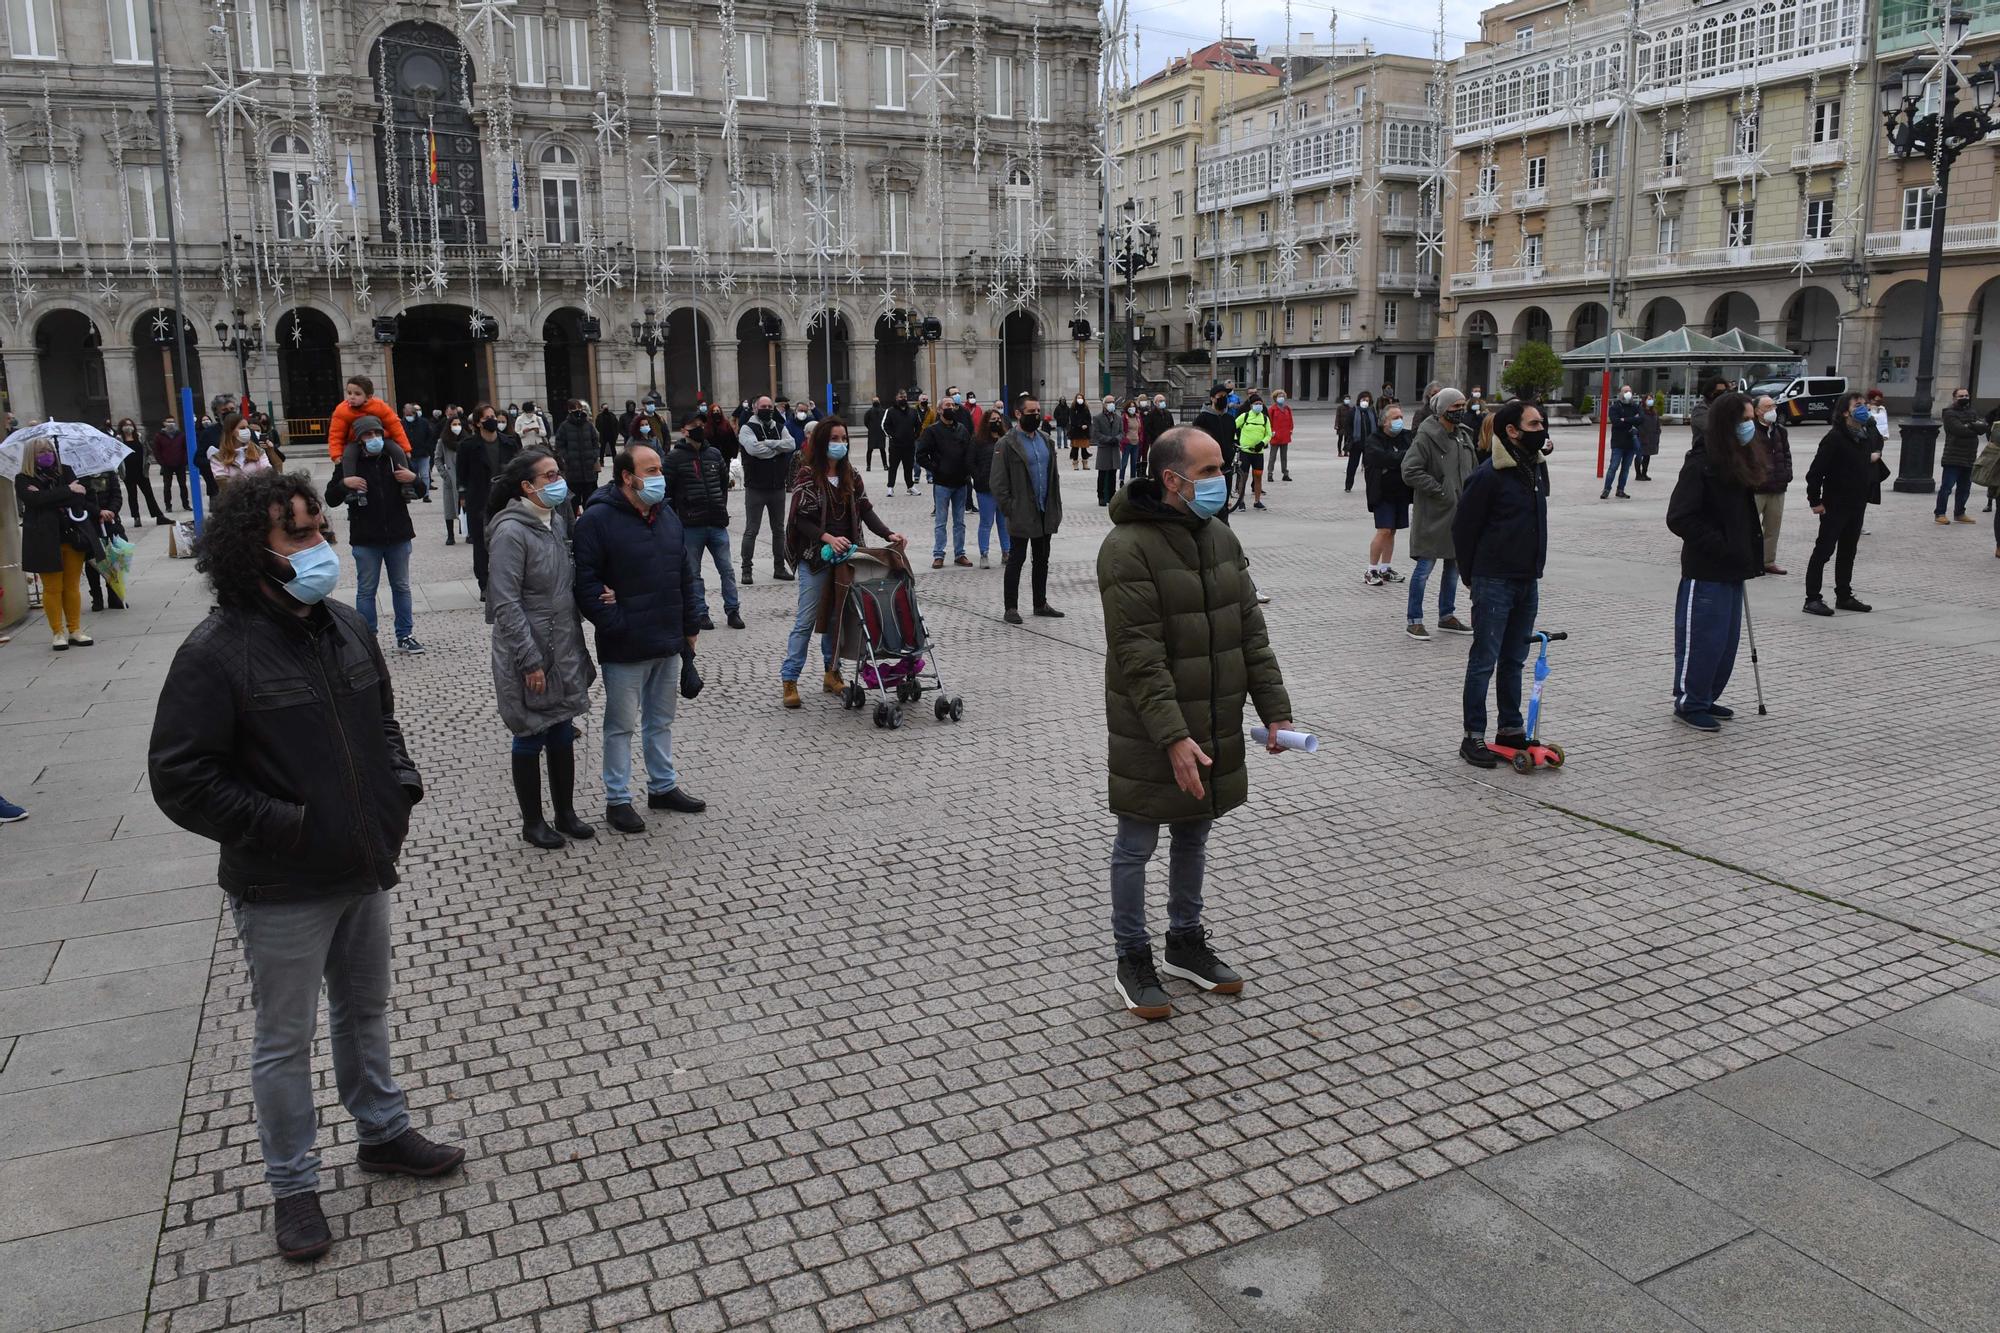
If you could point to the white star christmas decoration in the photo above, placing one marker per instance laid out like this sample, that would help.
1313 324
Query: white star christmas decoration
725 282
608 122
163 326
659 176
107 292
604 274
232 100
484 14
435 277
931 81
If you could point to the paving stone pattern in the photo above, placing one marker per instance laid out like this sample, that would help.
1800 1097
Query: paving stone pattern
843 1050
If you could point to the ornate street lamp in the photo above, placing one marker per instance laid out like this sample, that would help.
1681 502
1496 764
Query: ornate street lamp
649 334
1138 250
1940 136
242 339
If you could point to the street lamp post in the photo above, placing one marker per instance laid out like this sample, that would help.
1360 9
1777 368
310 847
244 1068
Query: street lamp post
1941 137
1138 250
241 339
648 334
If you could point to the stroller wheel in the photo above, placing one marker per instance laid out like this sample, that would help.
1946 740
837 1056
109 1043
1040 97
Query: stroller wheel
895 716
943 709
882 716
854 696
909 691
957 708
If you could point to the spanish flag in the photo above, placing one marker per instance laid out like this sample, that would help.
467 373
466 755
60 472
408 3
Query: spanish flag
431 155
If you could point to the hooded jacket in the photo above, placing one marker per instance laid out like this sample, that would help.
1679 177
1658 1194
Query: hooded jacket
1382 459
343 420
1185 647
531 605
1722 540
1435 470
1844 475
276 736
697 484
1501 529
901 424
385 519
577 451
643 560
945 450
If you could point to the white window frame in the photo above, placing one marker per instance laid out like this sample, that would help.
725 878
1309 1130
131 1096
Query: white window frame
679 217
1600 161
1538 173
38 18
291 163
1041 92
1392 314
758 238
823 86
574 35
889 72
1593 245
677 62
1670 149
1180 112
1017 201
1744 135
1346 316
1668 239
254 49
1000 90
1489 179
1482 256
1531 250
308 44
1919 201
1524 39
1180 203
1826 118
146 194
1739 227
51 191
531 60
559 188
131 33
895 222
753 72
1819 219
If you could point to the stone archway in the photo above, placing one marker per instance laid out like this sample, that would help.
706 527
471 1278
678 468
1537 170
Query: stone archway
687 364
830 357
1897 343
309 374
69 348
759 333
1982 366
436 358
1732 310
1481 341
153 364
895 357
1020 358
565 361
1812 329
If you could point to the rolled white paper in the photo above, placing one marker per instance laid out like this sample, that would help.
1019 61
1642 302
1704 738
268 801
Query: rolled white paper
1289 740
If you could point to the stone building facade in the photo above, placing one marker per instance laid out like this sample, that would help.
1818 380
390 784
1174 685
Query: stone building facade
505 189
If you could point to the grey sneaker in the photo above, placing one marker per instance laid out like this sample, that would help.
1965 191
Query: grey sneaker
1416 633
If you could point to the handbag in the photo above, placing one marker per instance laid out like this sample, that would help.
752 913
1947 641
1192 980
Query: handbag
1986 468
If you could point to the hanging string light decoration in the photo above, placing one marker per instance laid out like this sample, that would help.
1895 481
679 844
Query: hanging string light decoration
1440 163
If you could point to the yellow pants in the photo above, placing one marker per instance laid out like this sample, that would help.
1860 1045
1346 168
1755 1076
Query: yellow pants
62 594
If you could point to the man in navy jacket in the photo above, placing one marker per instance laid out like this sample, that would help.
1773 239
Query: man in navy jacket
636 585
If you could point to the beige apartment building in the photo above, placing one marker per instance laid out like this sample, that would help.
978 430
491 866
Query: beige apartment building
1718 158
1158 130
1321 236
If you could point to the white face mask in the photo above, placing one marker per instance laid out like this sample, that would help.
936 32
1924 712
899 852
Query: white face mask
1769 417
1626 395
1110 406
800 415
457 429
1343 402
243 434
1279 401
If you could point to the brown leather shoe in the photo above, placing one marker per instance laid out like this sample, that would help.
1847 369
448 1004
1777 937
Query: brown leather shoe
938 562
834 684
966 560
792 699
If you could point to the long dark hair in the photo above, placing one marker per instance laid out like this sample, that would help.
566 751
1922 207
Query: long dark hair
507 485
1733 462
813 459
230 552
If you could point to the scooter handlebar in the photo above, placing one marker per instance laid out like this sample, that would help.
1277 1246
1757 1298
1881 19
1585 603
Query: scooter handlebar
1554 638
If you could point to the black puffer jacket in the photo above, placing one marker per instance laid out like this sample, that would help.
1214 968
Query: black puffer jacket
1382 456
276 736
946 449
1501 527
642 559
385 519
578 450
1844 474
1716 519
698 484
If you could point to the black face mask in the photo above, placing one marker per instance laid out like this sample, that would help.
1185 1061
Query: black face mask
1031 421
767 414
1534 439
489 424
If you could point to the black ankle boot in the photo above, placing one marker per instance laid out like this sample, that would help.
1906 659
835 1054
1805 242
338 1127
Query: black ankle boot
562 791
528 791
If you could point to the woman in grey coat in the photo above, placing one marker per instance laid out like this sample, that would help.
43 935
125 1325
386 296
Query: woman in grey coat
1435 469
541 670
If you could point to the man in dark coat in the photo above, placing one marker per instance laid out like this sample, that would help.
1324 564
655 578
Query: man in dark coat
423 447
1626 415
769 455
901 424
1185 647
878 442
607 431
636 585
1963 431
698 489
1500 533
1844 479
944 452
276 737
370 484
575 446
1029 492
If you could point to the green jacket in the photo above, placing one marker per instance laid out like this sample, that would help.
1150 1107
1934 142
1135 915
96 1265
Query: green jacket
1185 644
1253 431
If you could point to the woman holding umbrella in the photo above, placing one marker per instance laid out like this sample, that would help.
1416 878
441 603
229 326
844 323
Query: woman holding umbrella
55 540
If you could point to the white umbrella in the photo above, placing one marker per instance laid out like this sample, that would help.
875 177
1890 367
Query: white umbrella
85 449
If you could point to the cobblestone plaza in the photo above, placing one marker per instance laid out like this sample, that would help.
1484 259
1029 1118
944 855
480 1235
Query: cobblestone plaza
843 1051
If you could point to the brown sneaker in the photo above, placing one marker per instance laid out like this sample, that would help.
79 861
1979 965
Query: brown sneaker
1964 518
792 699
834 684
1942 521
1453 625
966 560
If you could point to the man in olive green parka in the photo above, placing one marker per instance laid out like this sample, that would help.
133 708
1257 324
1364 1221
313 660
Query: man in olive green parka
1185 646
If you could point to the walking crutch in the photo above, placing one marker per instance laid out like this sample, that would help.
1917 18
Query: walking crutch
1743 590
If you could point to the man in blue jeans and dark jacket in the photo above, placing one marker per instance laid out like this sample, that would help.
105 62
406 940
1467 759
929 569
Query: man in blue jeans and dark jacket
636 584
276 736
1501 535
1626 414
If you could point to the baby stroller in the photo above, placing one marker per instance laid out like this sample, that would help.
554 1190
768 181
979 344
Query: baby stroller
883 632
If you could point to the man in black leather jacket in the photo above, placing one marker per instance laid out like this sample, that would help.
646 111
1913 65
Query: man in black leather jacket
698 489
276 736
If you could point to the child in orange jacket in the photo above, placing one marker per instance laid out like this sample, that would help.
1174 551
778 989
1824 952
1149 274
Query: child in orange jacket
362 402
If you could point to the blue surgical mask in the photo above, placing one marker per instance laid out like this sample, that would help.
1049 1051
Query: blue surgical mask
373 445
1398 426
1746 431
1210 494
314 572
837 450
653 489
556 492
1861 412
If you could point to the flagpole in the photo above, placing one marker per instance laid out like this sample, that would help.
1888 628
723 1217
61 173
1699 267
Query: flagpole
195 494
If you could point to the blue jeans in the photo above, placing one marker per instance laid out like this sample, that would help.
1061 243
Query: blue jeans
422 467
1619 468
715 541
1128 463
948 499
989 515
1503 621
1447 589
289 948
811 585
639 695
368 562
1957 477
1708 619
1186 862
